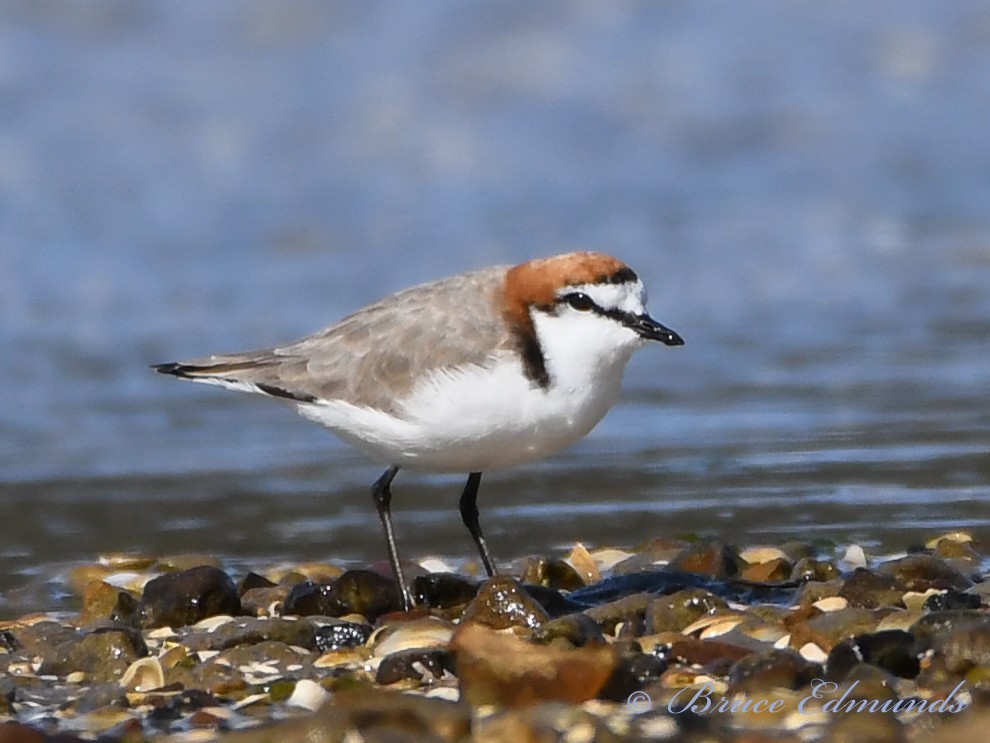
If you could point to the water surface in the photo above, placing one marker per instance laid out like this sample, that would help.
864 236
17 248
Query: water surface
803 188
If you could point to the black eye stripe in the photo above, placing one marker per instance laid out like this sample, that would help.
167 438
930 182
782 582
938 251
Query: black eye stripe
582 302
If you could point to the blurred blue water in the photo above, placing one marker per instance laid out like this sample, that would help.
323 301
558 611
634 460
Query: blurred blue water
804 187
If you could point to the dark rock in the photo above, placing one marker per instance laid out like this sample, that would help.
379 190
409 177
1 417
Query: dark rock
933 628
552 573
102 603
878 728
773 668
868 590
251 581
809 569
263 602
554 603
14 732
633 672
952 600
173 707
354 592
675 612
833 627
628 610
103 654
577 629
444 590
188 596
772 571
341 635
502 602
712 558
705 653
922 572
41 638
99 696
425 665
252 631
891 650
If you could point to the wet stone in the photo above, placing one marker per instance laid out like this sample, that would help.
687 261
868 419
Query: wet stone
829 629
705 653
41 638
633 672
713 558
855 728
771 571
444 590
103 654
262 602
502 670
502 602
577 629
891 650
355 592
628 610
252 631
188 596
103 603
100 696
422 665
810 569
337 635
552 573
952 600
867 589
252 581
675 612
770 669
921 572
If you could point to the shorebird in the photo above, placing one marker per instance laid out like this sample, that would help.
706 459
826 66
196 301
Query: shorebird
475 372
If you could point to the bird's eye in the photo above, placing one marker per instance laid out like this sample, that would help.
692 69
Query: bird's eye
579 301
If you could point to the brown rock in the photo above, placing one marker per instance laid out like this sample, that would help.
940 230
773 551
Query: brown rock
102 654
552 573
102 603
773 668
713 558
676 611
921 572
809 569
508 672
831 628
768 572
868 590
502 602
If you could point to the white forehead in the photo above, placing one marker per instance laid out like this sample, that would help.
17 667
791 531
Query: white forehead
628 296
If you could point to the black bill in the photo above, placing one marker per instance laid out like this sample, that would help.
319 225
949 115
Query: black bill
650 329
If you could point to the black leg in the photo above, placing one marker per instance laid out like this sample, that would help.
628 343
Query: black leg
382 493
469 514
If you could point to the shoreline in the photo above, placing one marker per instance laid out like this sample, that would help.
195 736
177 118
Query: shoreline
780 641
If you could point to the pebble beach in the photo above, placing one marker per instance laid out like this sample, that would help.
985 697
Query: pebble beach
674 640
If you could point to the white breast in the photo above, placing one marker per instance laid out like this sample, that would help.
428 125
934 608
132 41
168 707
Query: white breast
476 418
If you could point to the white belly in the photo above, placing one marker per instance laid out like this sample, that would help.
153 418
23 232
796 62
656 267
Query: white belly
475 419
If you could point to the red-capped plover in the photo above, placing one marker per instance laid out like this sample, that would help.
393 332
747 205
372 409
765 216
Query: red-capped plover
479 371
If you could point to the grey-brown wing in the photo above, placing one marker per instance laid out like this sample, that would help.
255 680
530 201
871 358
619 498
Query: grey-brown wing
375 355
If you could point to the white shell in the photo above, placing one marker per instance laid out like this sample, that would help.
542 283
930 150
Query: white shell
307 695
144 674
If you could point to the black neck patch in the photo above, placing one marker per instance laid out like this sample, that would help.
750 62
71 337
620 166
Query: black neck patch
533 359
